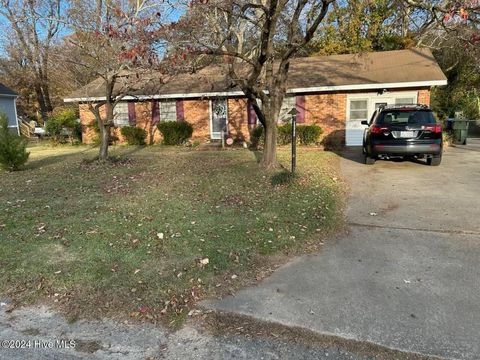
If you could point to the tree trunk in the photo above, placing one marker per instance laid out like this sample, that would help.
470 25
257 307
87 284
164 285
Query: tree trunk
41 103
272 113
46 97
104 140
269 160
105 130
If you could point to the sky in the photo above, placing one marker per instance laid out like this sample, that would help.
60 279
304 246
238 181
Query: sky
172 15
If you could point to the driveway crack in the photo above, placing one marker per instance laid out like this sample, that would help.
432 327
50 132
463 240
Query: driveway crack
442 231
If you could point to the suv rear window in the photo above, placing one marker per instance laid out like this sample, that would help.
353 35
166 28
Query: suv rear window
404 117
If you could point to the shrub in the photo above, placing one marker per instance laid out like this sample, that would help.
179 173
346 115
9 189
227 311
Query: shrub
53 127
63 124
77 131
13 153
256 136
334 141
308 134
175 133
133 135
284 134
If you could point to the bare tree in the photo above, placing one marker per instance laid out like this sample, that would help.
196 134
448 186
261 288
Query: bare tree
452 29
257 39
32 27
114 41
439 21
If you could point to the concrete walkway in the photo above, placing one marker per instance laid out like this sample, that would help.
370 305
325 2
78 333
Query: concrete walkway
407 274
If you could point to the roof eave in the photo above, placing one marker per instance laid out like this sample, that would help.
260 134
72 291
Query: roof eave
306 90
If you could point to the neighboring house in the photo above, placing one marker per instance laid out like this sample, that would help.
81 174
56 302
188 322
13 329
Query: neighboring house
336 92
8 106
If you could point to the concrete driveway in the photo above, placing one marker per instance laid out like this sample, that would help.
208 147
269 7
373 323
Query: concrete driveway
407 273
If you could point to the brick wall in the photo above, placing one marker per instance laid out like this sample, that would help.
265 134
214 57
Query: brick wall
87 119
197 113
143 112
424 97
238 119
328 110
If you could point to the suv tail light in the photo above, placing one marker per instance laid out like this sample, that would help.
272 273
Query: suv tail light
379 129
437 129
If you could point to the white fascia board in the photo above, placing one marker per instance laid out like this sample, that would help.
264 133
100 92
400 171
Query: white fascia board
412 84
159 97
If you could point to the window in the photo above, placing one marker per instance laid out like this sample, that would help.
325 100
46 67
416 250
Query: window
120 115
287 106
404 101
168 111
358 109
402 117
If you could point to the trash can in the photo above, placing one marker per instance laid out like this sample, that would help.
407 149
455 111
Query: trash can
460 131
449 124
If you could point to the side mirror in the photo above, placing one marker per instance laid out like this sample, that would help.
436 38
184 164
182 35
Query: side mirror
364 122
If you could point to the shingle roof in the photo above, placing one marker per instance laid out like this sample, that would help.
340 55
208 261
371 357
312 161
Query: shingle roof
6 91
407 68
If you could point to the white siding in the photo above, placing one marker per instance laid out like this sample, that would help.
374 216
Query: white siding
7 106
362 106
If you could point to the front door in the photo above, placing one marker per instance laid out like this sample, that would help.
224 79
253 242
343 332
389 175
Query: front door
219 118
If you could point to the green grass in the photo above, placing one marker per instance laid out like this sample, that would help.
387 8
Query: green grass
88 236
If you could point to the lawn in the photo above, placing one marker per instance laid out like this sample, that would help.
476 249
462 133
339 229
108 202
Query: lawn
150 234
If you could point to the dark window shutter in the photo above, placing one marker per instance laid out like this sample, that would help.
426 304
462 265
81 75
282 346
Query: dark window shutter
252 116
132 116
300 107
155 112
180 111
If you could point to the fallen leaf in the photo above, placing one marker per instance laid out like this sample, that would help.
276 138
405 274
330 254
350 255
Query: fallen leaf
194 312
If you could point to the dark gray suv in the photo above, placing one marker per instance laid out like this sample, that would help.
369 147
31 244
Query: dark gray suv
403 131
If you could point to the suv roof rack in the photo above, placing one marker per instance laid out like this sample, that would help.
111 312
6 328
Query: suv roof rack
400 106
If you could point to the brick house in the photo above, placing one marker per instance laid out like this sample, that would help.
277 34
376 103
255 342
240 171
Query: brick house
335 92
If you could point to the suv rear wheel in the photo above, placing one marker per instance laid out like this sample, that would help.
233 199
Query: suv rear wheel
369 160
434 160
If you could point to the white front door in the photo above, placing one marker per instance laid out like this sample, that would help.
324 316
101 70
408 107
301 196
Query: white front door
362 106
218 118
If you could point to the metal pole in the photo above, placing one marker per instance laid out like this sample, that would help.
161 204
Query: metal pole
294 143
